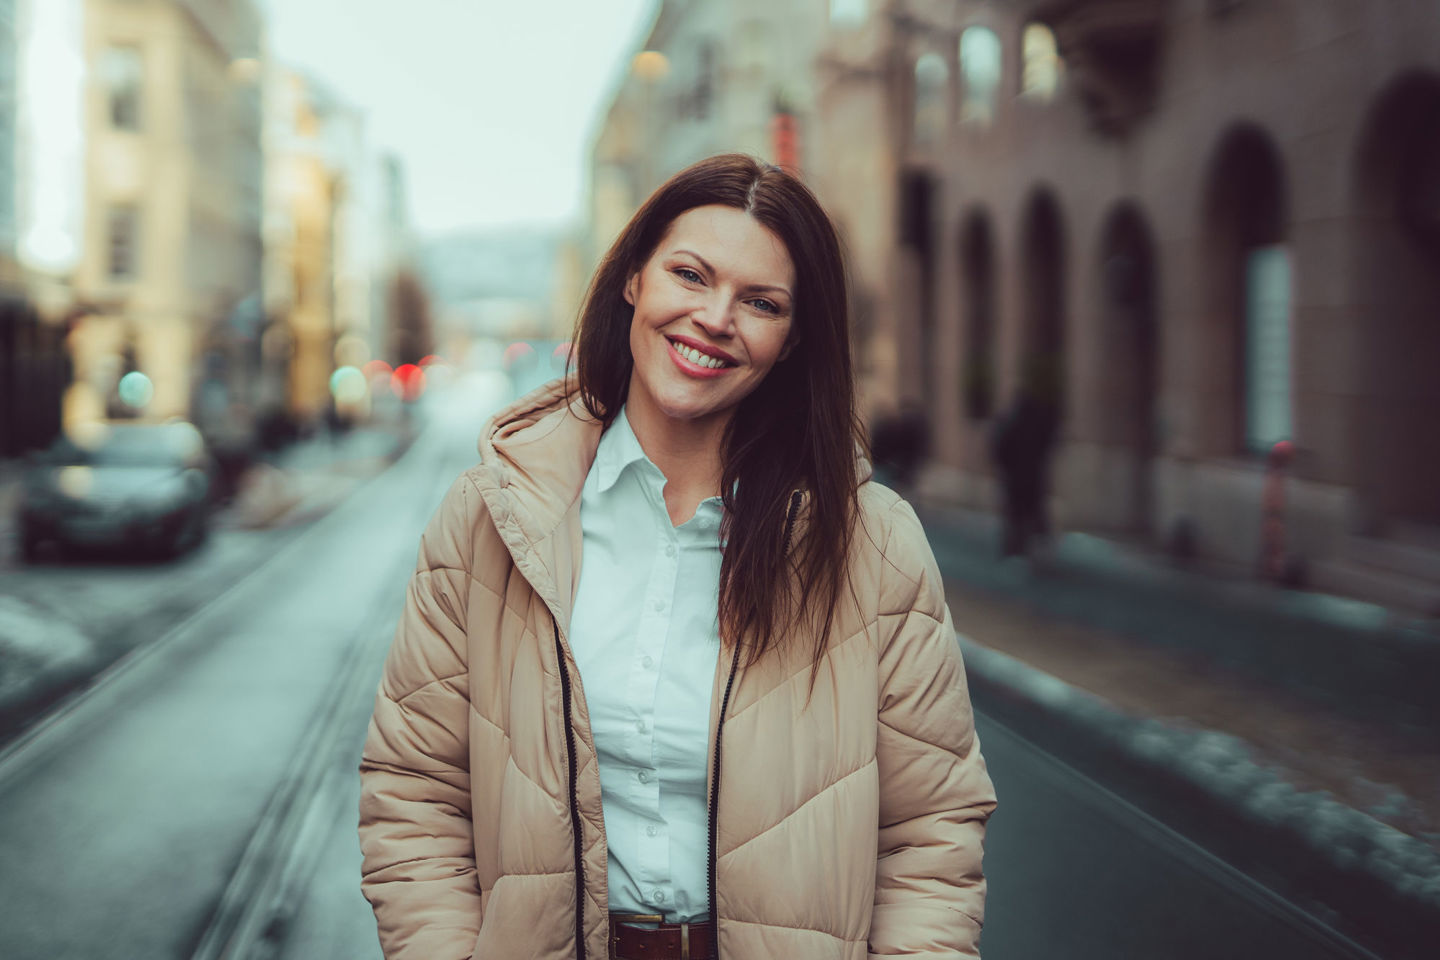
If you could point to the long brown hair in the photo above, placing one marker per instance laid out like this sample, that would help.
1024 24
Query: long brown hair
795 432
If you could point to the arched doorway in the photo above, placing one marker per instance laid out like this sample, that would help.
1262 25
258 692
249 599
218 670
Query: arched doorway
1241 393
1395 299
977 254
1129 351
1042 333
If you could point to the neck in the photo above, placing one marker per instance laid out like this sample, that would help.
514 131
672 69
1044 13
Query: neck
687 453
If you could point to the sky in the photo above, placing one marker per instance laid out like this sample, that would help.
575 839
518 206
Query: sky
491 104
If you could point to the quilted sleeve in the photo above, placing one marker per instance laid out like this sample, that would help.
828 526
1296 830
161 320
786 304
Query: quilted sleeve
415 829
935 794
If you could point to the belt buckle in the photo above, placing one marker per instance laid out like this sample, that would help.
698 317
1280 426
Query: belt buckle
617 918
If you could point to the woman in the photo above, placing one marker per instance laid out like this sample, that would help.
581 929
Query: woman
740 727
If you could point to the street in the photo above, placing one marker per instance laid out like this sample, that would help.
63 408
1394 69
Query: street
1076 872
133 810
200 800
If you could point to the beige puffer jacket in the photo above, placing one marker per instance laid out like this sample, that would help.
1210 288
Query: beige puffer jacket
849 827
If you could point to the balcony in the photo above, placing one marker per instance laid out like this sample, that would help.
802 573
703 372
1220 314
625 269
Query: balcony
1111 50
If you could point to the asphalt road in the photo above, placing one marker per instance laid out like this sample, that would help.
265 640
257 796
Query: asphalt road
201 802
131 820
1076 872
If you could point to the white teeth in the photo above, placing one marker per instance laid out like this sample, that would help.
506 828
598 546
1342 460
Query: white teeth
696 357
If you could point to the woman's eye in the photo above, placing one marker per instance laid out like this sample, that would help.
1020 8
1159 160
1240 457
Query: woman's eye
685 273
765 306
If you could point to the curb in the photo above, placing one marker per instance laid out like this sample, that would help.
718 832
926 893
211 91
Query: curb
1353 658
1364 878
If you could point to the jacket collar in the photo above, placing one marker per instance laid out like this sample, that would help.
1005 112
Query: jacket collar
534 457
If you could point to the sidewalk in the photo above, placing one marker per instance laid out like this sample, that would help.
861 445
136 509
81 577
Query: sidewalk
307 479
1291 733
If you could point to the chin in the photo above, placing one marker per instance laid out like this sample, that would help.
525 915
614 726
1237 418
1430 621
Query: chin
675 405
689 412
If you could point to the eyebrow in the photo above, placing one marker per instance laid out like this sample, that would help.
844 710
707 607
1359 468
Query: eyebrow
751 286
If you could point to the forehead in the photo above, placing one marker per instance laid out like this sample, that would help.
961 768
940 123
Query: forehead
731 241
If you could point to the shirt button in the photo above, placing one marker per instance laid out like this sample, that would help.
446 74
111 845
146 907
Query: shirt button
651 830
648 662
641 726
659 606
643 776
670 550
659 896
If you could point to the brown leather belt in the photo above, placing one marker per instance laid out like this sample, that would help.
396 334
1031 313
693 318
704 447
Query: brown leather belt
668 941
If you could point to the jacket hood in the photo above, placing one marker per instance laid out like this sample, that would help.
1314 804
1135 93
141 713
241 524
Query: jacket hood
538 450
534 456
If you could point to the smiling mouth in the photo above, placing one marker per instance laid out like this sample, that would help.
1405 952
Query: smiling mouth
698 358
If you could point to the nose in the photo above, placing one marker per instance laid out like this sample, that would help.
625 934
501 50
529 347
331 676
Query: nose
715 316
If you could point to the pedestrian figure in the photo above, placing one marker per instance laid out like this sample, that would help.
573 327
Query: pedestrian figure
740 726
899 444
1021 444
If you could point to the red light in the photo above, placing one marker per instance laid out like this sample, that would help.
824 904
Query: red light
519 353
376 368
560 357
408 382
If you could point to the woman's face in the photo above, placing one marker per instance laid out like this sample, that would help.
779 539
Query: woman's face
713 314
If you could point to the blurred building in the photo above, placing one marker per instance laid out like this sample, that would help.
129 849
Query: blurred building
42 190
394 264
714 76
498 283
1207 225
861 72
168 276
20 327
9 101
334 224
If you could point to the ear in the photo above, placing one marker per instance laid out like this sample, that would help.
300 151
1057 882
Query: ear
790 344
631 287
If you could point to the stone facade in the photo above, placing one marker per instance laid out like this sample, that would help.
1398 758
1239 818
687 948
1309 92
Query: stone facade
1213 225
713 76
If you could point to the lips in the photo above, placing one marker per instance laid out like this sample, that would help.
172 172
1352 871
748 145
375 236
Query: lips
701 353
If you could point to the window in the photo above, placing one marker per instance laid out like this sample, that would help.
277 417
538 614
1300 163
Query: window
931 79
980 61
1267 347
122 72
848 13
124 242
1040 70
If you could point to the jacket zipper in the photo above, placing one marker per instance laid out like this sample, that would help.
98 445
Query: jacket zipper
574 800
714 810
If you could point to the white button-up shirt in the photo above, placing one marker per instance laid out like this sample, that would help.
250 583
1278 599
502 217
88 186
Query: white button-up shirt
646 639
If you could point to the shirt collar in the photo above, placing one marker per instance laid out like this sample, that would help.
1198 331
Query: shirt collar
619 447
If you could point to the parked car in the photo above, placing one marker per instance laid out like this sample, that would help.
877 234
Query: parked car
134 488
